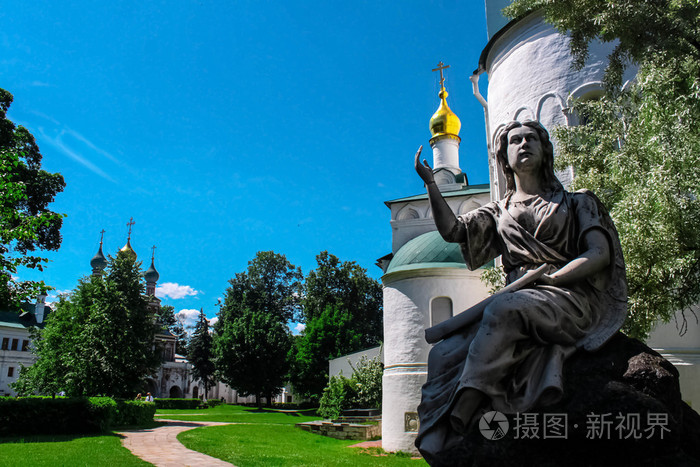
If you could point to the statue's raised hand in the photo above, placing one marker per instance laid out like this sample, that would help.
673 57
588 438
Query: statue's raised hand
424 170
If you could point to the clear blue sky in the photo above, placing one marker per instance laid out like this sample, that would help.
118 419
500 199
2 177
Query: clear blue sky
225 128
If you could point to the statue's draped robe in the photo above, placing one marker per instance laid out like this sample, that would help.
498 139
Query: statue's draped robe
516 358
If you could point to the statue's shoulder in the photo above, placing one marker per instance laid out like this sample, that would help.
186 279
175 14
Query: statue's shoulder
587 197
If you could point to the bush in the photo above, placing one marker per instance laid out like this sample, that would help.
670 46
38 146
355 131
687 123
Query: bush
177 403
336 397
362 390
45 415
134 412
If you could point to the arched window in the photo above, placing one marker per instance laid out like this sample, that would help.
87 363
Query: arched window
440 310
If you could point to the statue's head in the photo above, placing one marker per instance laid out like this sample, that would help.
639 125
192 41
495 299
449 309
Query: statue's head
501 146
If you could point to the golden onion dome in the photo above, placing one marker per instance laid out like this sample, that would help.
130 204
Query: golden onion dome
127 249
444 121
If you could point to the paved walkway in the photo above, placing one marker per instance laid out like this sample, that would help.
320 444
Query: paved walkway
160 446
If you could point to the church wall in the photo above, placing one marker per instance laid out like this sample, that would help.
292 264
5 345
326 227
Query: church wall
407 313
530 77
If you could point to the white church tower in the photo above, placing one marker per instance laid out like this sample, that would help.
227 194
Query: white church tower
425 279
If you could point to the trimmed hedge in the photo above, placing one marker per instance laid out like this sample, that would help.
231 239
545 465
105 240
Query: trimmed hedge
69 415
134 412
177 403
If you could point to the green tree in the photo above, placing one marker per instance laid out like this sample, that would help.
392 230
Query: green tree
166 318
200 353
254 360
326 336
639 149
345 285
100 339
251 353
270 284
26 223
342 308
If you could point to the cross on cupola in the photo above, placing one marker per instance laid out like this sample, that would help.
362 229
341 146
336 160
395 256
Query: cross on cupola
130 224
441 66
127 248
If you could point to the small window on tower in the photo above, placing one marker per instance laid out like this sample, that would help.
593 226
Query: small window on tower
440 310
11 372
25 345
5 343
15 344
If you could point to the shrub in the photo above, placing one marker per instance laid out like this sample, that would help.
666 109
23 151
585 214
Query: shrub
44 415
362 390
177 403
134 412
367 383
337 396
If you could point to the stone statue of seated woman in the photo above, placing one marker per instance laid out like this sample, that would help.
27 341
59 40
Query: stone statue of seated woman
511 359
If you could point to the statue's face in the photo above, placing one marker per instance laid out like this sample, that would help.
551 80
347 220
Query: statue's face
525 153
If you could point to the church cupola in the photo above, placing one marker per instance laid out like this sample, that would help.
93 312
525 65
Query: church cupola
151 275
99 262
127 248
444 128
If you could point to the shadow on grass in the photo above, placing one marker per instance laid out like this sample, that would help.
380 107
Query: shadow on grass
52 438
55 438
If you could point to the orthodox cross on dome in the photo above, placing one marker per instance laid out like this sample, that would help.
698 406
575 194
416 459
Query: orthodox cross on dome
153 253
130 224
102 235
441 66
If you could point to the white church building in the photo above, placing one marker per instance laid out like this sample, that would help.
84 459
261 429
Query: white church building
425 280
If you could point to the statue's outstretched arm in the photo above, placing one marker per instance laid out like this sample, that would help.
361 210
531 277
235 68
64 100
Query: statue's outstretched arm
445 220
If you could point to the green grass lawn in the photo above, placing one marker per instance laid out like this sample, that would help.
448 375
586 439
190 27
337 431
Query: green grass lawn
268 437
65 451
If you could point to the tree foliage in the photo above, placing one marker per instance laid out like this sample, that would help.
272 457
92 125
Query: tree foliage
200 353
100 339
252 337
251 353
342 308
326 336
26 223
346 286
270 284
169 322
639 147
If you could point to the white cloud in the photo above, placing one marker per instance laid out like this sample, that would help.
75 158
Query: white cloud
298 328
213 321
174 291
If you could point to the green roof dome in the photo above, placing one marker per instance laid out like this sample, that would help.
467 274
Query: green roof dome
427 251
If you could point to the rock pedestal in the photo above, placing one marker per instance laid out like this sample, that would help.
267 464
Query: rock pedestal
621 406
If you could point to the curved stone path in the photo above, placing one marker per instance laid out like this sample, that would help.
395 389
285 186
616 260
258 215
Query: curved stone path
160 446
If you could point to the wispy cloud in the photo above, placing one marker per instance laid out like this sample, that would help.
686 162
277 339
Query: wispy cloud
175 291
41 84
75 145
57 143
